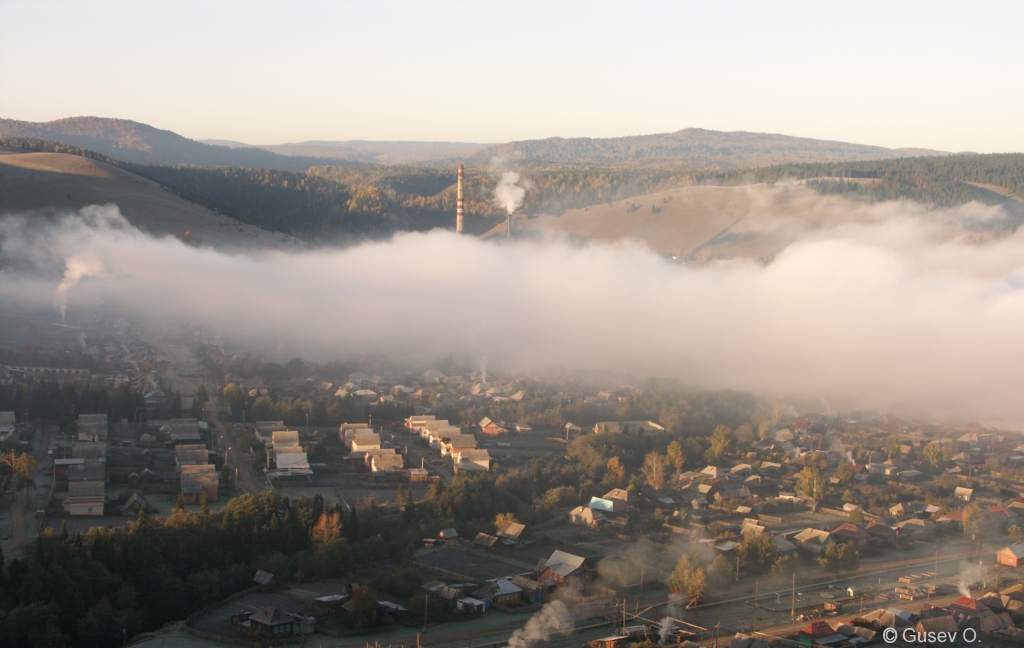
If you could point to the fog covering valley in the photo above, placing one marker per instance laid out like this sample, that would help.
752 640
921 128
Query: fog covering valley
890 305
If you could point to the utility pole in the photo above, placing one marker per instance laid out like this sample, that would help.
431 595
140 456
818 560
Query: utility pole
757 590
737 567
426 601
792 609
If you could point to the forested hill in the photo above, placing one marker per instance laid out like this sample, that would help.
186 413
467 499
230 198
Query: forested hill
693 147
335 202
130 141
941 181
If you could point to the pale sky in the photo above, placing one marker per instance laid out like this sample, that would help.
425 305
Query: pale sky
927 74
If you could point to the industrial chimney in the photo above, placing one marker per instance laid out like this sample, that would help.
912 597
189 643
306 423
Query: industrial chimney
458 204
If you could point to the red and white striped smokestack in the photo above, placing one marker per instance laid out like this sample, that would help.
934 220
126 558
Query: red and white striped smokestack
458 205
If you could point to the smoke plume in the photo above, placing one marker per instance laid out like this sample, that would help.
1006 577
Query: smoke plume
969 573
553 619
509 192
77 267
899 313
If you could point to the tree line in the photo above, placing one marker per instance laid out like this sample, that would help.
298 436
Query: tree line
62 402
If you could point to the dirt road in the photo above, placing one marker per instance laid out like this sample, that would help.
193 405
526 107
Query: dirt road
22 503
226 434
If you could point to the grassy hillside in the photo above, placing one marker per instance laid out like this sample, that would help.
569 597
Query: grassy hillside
331 203
693 148
130 141
48 181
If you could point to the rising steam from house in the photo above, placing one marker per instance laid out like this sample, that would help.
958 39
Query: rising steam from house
553 619
897 312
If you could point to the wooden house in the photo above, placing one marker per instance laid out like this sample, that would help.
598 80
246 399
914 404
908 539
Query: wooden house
569 571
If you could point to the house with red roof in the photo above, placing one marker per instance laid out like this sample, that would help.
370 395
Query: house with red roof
819 633
967 607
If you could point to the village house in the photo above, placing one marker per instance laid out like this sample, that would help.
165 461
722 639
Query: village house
86 489
415 423
619 498
132 505
851 533
813 540
92 427
346 431
490 428
272 623
511 533
90 452
471 460
499 591
820 633
284 439
264 429
197 480
184 430
569 571
191 455
627 427
457 443
533 590
1012 556
586 516
602 505
364 442
291 460
387 464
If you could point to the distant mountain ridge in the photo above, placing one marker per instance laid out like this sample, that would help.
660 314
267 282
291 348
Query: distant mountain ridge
131 141
691 149
369 152
696 146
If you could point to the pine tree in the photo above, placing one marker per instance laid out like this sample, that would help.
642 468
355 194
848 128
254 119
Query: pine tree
181 502
204 506
410 505
353 527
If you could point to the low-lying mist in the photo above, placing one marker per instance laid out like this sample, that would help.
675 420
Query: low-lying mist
903 311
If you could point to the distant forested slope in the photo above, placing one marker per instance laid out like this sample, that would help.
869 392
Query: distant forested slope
941 181
694 148
331 202
129 141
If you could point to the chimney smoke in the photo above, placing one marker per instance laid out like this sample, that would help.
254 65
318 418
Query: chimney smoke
458 205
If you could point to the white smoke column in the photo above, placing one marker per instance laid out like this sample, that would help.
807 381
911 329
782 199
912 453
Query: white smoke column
77 267
969 573
509 193
673 609
553 619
